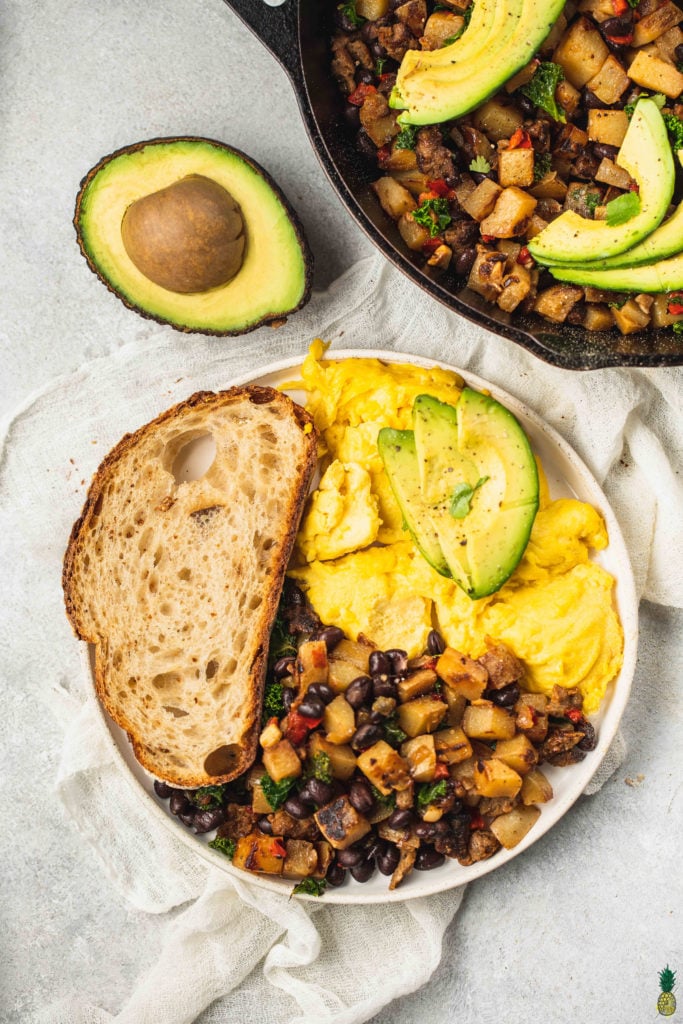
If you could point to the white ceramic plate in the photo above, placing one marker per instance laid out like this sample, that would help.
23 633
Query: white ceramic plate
567 476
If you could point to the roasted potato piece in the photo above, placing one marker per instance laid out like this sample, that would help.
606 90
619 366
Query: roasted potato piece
536 789
581 52
265 854
440 26
608 126
342 757
532 717
413 234
420 753
497 120
372 9
510 215
417 684
516 167
557 302
423 714
481 200
342 674
610 82
516 287
461 674
311 664
486 721
259 801
518 752
339 720
341 824
301 860
509 829
384 767
651 72
355 651
282 761
654 25
393 197
494 777
452 745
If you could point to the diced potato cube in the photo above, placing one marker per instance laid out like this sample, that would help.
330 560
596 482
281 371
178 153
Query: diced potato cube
516 167
532 717
339 720
441 257
651 72
654 25
452 745
510 215
440 26
486 721
342 674
552 39
610 82
384 767
423 714
456 703
271 735
497 120
325 855
536 788
518 752
667 43
342 757
516 287
415 685
557 302
509 829
311 664
301 860
420 754
601 10
413 234
462 674
568 97
341 824
608 126
581 52
481 201
282 761
400 160
598 317
522 77
372 9
495 778
356 652
259 802
413 179
535 226
661 317
630 318
393 198
265 854
614 175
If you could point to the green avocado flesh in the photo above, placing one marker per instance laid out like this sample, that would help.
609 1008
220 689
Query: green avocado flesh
501 38
468 488
275 275
663 276
646 155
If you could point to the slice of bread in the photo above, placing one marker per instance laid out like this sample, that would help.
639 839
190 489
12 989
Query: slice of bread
176 581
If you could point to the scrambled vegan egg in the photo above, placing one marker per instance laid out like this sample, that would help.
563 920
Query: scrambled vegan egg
362 572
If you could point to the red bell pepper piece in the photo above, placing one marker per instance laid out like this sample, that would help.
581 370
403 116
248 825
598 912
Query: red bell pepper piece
360 93
621 40
278 849
520 139
525 259
441 771
298 726
477 821
620 7
439 186
575 715
432 244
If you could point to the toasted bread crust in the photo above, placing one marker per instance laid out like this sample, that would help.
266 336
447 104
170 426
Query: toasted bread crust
78 584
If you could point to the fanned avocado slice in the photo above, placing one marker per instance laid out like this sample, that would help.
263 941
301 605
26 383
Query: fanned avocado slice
646 155
201 203
501 38
397 450
662 276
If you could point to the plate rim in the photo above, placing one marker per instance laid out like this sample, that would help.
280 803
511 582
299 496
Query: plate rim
611 715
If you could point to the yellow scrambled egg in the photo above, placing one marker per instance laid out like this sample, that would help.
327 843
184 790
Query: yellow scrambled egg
362 572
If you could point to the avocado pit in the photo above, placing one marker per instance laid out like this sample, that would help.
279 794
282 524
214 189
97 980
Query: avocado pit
188 237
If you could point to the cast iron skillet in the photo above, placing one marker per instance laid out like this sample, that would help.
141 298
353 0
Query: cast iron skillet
297 33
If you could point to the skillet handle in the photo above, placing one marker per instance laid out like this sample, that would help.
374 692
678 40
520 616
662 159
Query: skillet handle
276 27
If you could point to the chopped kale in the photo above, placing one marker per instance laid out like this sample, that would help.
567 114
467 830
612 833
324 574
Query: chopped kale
348 10
675 128
208 797
393 733
224 845
592 201
430 792
433 214
542 164
276 792
387 801
621 209
406 138
310 887
273 701
321 767
541 89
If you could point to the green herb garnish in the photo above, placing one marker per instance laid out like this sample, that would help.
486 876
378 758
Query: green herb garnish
462 498
321 767
310 887
430 792
393 733
386 801
674 126
432 214
379 66
542 163
276 792
541 89
621 209
406 138
592 201
480 165
208 797
348 9
224 845
677 327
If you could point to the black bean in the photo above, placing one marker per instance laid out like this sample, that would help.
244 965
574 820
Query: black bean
364 871
332 635
362 76
187 817
618 27
324 692
384 686
365 145
352 115
282 667
379 664
678 53
343 22
401 818
288 695
377 50
376 717
178 803
294 595
162 789
605 151
360 797
506 697
366 736
425 830
296 807
435 643
350 857
593 102
205 821
590 740
399 661
428 858
311 707
317 792
464 261
441 827
387 860
336 875
359 692
265 825
527 106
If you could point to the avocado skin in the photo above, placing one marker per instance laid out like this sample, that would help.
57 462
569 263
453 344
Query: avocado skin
148 314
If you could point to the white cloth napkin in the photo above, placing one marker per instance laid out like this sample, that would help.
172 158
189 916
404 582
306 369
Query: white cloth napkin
245 953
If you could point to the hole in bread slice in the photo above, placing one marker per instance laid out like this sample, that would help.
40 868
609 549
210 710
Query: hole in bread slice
190 455
222 760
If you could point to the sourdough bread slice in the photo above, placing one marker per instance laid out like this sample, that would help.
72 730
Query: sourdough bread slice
176 581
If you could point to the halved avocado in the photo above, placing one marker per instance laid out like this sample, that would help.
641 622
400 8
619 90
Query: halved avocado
200 206
646 154
502 36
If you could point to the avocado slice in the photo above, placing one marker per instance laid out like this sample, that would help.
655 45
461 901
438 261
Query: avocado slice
501 38
397 451
267 272
662 276
488 497
646 155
